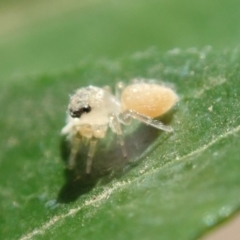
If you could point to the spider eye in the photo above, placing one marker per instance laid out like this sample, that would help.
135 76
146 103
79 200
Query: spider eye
79 112
76 114
86 109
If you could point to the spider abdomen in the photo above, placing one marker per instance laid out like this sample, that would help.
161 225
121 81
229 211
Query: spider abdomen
151 100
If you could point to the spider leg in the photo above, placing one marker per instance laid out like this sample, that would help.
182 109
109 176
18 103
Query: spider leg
147 120
116 127
119 89
75 144
91 151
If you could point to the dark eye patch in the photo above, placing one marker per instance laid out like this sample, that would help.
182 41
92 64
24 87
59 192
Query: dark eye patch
76 113
86 109
79 112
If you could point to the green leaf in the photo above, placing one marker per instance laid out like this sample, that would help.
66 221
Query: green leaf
175 186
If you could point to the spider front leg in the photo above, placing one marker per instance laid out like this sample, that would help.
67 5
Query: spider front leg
116 127
91 151
75 144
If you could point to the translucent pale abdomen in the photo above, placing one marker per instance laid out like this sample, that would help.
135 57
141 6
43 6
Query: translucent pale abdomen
151 100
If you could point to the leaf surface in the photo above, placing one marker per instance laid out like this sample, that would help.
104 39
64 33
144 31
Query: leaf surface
175 186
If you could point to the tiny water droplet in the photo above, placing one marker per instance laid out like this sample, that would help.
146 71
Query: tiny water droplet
52 204
225 211
209 220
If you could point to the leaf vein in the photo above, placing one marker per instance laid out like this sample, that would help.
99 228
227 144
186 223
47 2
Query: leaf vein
107 191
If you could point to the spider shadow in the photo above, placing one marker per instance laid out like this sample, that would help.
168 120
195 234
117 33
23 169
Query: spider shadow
108 162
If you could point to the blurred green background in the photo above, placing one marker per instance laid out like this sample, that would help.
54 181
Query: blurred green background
42 36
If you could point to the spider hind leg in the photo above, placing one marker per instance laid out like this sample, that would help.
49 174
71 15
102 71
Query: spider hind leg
116 127
147 120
